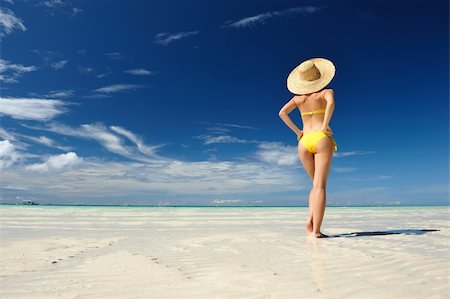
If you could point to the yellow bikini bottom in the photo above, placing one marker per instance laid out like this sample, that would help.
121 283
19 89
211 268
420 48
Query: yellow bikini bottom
311 139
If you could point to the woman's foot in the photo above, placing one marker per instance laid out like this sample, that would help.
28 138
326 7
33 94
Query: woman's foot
320 235
316 235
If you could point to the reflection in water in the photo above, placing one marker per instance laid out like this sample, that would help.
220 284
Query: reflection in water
318 267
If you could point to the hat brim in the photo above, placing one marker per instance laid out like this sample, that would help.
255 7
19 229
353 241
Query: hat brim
327 71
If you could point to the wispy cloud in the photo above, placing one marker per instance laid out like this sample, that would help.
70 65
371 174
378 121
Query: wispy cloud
208 139
52 59
430 189
352 153
263 17
110 138
53 94
361 196
338 169
44 140
6 134
96 131
140 72
31 109
59 64
104 74
115 55
227 125
117 88
9 22
226 201
9 72
59 7
164 38
147 150
370 178
60 93
86 70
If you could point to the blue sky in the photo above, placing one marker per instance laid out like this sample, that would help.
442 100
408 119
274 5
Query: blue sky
176 102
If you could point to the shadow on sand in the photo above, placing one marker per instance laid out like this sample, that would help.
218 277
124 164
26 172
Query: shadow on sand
382 233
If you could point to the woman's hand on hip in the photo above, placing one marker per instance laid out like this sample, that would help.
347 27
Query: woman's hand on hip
328 131
299 135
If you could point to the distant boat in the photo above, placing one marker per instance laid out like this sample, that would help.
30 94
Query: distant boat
29 202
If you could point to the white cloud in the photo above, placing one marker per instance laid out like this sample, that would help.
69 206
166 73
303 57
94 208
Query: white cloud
100 133
106 137
227 125
31 109
150 174
76 11
249 21
114 55
8 154
371 178
53 94
147 150
343 169
6 135
56 163
44 140
429 189
218 130
117 88
101 178
104 74
85 70
164 38
9 22
59 64
9 72
278 154
96 131
60 93
351 153
59 7
263 17
208 139
139 72
361 196
52 3
226 201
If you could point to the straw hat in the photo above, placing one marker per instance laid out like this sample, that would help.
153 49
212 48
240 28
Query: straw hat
310 76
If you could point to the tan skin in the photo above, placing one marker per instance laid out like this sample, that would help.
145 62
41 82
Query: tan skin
317 165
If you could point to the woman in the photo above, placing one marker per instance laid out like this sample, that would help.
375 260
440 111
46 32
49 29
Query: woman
316 146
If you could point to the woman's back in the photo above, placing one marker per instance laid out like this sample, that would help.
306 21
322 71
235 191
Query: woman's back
312 108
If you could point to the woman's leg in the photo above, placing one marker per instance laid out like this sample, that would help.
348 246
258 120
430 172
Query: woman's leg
307 160
322 163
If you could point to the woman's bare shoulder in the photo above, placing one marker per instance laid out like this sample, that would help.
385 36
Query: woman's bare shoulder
299 98
328 90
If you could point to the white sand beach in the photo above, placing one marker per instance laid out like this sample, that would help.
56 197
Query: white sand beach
162 252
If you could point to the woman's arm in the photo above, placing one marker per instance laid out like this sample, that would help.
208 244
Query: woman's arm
284 111
329 97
